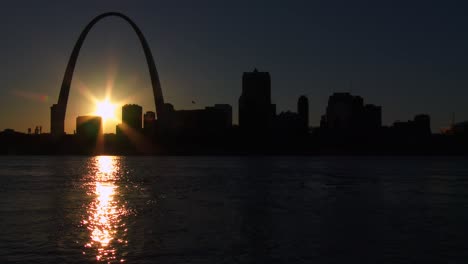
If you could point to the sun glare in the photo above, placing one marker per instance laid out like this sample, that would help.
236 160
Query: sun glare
105 109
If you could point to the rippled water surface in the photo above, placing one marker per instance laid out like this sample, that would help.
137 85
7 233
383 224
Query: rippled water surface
233 210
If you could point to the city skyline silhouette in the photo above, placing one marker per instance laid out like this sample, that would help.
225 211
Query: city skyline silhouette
349 124
325 131
428 79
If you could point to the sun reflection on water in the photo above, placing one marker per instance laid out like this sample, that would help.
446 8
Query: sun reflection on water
104 214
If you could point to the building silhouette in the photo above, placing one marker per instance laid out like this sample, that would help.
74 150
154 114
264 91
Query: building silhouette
287 123
210 120
347 113
419 126
459 129
292 124
256 112
132 116
372 117
422 123
223 114
88 127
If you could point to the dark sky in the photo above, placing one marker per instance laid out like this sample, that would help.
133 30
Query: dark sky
409 57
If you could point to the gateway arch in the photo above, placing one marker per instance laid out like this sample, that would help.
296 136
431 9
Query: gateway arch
58 110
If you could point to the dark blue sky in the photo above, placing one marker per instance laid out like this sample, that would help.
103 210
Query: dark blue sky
409 57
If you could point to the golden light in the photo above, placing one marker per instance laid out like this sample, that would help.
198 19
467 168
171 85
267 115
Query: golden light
105 109
104 218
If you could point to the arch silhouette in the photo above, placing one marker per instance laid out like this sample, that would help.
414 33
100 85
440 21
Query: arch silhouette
58 110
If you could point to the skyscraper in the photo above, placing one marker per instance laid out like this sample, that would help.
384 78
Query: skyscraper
372 116
423 124
132 116
256 112
343 111
88 127
347 113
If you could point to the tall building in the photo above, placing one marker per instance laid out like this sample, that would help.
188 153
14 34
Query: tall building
256 112
88 127
293 124
423 124
303 112
343 111
346 112
132 116
372 116
419 126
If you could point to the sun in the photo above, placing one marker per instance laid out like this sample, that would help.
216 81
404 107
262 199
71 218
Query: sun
105 109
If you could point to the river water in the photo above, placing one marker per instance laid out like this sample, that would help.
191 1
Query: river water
233 209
